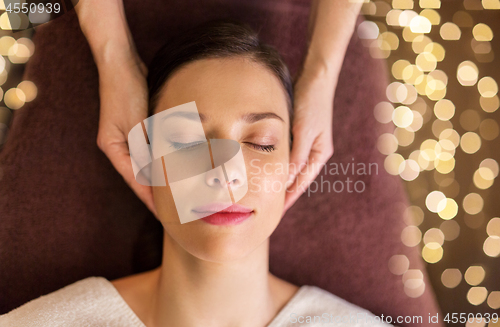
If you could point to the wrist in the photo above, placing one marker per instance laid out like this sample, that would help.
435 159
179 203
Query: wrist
120 70
113 51
320 67
106 30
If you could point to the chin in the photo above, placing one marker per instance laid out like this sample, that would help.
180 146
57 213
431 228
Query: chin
220 244
222 249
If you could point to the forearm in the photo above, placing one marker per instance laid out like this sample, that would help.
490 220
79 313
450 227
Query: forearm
331 25
105 26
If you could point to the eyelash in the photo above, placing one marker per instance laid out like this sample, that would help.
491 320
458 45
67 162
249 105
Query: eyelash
266 148
184 146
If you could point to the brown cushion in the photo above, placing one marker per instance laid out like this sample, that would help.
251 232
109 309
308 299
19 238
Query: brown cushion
66 214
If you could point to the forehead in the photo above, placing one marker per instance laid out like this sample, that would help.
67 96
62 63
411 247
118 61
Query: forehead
234 85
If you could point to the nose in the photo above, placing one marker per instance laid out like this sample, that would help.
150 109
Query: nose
229 166
225 174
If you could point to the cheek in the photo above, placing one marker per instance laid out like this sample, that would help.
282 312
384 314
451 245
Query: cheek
165 205
267 176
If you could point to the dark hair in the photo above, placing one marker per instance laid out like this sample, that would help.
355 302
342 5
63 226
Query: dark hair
215 39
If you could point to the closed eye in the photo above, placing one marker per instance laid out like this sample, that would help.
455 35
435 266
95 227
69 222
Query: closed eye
260 147
191 145
184 146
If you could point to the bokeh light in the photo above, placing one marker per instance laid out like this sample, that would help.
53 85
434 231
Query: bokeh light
6 42
399 264
491 4
426 62
406 17
29 90
494 300
451 277
470 142
420 24
409 170
463 19
432 15
487 87
432 252
404 136
483 178
438 126
402 116
402 4
474 275
482 32
445 137
473 203
411 236
451 135
413 216
413 281
368 30
491 164
489 104
387 143
444 109
477 295
488 129
434 235
493 227
450 31
383 112
480 47
14 98
449 209
434 201
467 73
491 246
450 229
436 50
435 4
392 163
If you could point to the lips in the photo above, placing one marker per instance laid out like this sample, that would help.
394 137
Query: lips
222 214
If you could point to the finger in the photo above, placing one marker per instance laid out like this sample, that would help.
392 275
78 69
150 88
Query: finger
119 156
305 177
301 150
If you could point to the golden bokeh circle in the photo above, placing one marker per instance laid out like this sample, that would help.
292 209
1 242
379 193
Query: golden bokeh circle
491 246
488 129
451 277
487 87
432 252
450 229
493 227
473 203
474 275
482 32
470 142
477 295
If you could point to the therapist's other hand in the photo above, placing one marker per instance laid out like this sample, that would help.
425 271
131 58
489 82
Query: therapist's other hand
124 103
311 129
122 84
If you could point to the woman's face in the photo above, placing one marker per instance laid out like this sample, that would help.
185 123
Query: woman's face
240 100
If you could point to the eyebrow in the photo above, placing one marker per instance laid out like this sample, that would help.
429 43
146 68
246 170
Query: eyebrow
248 118
255 117
186 114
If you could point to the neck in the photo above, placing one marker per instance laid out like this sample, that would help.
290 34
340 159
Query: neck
195 292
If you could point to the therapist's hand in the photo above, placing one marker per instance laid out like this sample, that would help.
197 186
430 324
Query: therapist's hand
311 129
122 84
331 25
124 102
